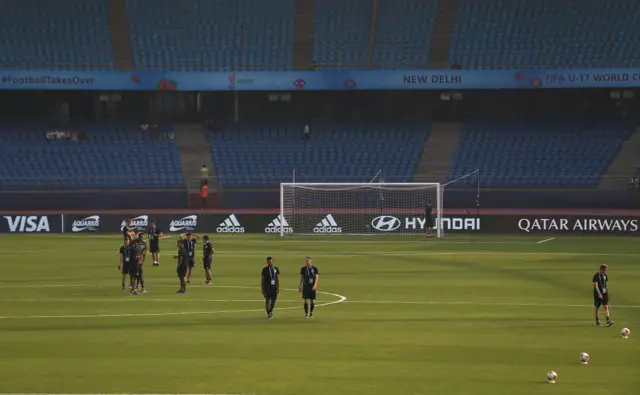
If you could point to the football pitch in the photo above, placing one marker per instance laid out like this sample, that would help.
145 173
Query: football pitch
460 315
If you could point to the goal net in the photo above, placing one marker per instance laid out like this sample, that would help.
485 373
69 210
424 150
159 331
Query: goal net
360 208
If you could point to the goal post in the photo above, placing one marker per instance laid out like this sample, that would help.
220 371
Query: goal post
360 208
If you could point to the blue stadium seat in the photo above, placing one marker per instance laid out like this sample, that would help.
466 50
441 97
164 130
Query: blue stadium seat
537 154
113 156
546 34
212 35
55 34
403 34
265 155
401 40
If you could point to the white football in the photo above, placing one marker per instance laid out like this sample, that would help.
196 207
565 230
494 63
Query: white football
625 332
584 358
552 377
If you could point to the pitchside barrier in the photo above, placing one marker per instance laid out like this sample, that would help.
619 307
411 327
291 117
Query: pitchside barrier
241 222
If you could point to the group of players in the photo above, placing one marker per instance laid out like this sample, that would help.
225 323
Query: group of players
134 251
133 254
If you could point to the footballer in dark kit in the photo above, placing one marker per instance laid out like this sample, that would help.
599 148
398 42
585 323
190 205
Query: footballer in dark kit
182 266
601 294
131 261
270 284
189 244
309 278
142 253
207 258
154 243
123 265
428 219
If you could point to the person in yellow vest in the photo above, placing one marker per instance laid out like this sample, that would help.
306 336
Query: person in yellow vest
204 175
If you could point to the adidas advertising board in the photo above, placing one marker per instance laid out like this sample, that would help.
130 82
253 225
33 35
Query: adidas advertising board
230 225
327 225
27 224
138 224
277 225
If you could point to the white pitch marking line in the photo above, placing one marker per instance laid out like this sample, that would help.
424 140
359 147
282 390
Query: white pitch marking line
479 303
341 299
545 240
233 254
129 299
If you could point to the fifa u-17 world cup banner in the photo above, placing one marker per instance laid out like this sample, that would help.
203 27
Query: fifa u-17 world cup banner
231 223
319 80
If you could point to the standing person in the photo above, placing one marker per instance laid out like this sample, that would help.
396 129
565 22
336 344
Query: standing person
428 219
123 266
306 133
131 258
270 284
142 253
154 243
204 175
309 278
601 294
189 244
204 194
207 257
181 267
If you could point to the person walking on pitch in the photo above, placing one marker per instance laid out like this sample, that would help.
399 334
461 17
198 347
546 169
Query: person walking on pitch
270 284
309 277
601 294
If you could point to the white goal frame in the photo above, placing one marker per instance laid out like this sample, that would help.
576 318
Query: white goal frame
382 185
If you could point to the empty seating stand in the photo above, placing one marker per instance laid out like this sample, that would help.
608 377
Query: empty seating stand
537 154
212 35
343 30
546 34
265 155
113 156
401 34
55 34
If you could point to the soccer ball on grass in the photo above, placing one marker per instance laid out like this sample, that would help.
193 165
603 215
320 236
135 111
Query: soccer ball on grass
625 332
552 377
584 358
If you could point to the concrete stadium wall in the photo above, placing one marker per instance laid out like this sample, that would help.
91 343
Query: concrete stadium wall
261 199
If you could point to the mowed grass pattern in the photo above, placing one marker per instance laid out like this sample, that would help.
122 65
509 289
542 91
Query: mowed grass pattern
481 315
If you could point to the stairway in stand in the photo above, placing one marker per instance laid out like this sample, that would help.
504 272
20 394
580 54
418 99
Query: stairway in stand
193 146
623 166
437 152
442 33
120 36
304 29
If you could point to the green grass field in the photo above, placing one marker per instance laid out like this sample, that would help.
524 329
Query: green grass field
480 315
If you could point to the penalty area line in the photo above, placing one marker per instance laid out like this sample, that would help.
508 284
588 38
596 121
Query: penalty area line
545 240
